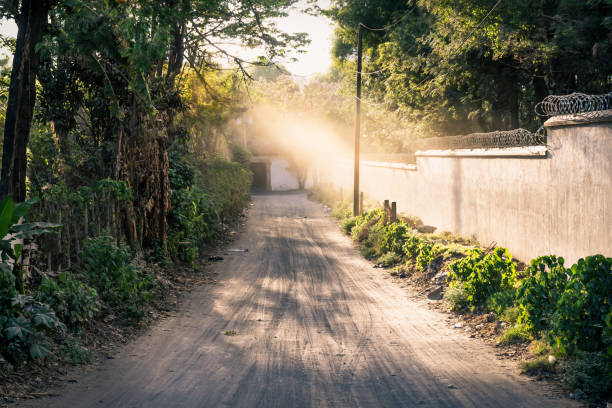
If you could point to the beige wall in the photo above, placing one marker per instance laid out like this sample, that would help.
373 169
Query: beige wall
534 201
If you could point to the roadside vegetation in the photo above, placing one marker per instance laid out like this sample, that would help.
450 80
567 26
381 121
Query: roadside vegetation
563 314
119 167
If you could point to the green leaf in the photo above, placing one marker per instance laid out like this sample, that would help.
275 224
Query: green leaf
6 213
17 327
39 350
22 209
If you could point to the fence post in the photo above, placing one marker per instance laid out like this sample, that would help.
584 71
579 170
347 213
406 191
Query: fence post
361 203
386 209
393 211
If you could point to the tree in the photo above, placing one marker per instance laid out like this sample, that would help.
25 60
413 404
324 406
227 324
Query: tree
31 18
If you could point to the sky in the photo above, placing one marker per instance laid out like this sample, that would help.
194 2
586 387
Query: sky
317 58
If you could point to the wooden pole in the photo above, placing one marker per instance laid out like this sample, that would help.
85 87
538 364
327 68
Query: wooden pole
393 211
361 203
357 126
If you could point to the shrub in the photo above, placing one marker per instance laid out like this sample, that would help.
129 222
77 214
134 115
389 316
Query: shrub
394 237
347 224
498 302
24 329
73 352
73 301
341 210
411 246
582 316
484 274
193 221
115 279
591 373
511 314
539 292
364 222
427 254
240 155
513 335
389 259
455 296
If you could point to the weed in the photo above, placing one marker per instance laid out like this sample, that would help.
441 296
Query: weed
455 297
498 302
537 366
230 332
591 373
511 314
347 224
73 352
513 335
389 259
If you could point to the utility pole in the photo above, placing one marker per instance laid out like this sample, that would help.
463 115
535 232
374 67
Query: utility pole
357 126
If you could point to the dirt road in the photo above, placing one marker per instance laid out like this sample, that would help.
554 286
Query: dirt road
301 320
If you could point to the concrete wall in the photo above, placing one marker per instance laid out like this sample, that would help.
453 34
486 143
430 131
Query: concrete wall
534 200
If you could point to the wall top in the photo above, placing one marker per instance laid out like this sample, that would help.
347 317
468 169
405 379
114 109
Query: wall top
580 118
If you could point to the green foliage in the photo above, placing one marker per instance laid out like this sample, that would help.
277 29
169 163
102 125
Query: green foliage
109 271
455 296
585 305
427 254
364 222
73 351
74 302
389 259
591 373
394 236
347 224
484 274
193 222
539 292
227 184
537 366
511 314
341 210
513 335
240 155
25 326
498 302
411 247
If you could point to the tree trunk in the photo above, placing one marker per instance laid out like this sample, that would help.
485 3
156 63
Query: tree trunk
31 23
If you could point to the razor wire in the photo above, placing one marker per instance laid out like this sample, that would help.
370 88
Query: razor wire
497 139
555 105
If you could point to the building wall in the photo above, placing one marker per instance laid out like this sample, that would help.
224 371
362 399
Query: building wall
280 175
534 200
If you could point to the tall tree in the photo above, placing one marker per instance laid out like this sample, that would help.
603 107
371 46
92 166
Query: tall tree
31 17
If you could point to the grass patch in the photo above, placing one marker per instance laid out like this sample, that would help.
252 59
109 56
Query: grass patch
73 352
513 335
538 366
389 259
455 297
230 332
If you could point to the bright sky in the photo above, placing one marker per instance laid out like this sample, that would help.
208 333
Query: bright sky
317 58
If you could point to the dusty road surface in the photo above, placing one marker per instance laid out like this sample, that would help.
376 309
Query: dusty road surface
302 321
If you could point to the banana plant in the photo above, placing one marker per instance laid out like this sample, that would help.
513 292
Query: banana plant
14 231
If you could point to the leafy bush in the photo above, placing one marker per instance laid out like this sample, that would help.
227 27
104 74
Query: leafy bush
539 292
73 352
115 279
347 224
591 373
455 296
498 302
227 184
484 274
412 246
73 301
389 259
193 221
364 222
341 210
25 327
240 155
427 254
394 237
583 309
